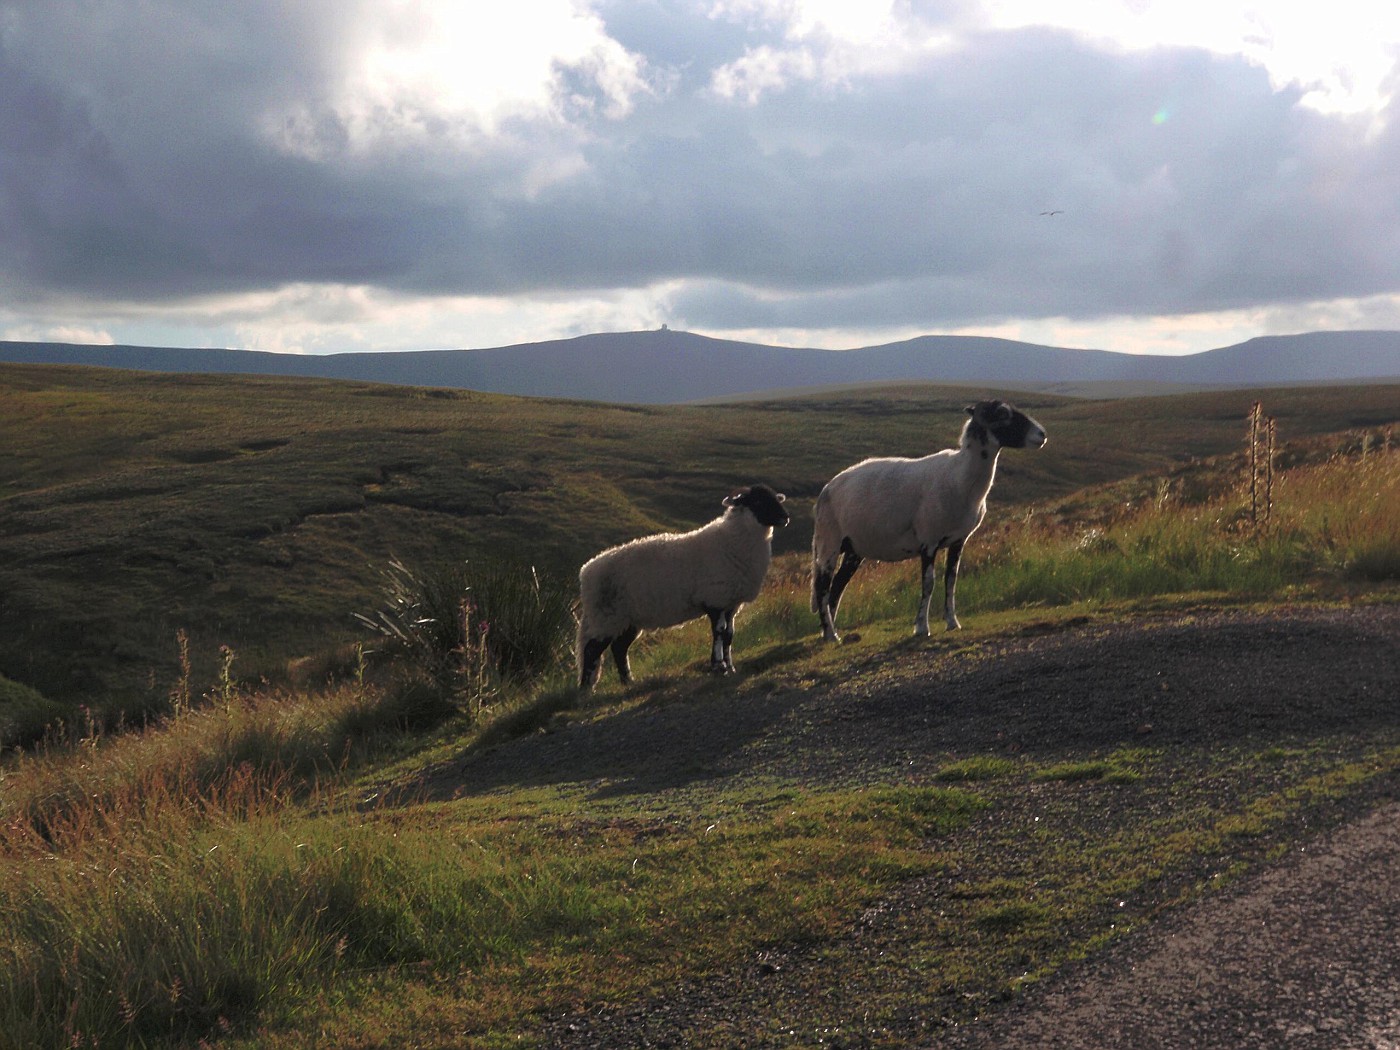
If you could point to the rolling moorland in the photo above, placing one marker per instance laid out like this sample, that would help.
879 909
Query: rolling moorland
667 367
278 844
258 513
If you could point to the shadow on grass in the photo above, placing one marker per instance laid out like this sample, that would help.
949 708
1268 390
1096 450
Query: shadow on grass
1194 679
670 733
906 709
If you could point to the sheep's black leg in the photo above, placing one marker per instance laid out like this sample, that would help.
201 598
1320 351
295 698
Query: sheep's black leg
728 638
850 562
721 637
619 651
950 584
590 665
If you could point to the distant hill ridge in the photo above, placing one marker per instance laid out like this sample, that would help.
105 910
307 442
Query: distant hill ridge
666 366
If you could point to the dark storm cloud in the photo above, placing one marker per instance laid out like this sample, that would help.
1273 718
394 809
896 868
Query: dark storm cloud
131 164
141 158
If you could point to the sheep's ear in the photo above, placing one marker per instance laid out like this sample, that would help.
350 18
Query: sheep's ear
781 498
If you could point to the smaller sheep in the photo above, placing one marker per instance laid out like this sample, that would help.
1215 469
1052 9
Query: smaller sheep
671 578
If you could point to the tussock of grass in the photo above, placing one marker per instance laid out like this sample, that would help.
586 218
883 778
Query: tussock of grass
1094 769
185 926
1121 767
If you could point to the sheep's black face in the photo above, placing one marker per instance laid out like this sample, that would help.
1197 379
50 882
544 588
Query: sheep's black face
1008 426
765 505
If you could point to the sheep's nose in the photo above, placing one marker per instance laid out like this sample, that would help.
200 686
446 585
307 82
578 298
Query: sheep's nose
1037 437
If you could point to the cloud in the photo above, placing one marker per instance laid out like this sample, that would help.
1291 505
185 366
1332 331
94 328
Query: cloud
1340 55
414 73
58 334
726 165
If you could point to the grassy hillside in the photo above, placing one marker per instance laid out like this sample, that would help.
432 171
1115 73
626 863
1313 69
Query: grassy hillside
860 845
842 845
256 513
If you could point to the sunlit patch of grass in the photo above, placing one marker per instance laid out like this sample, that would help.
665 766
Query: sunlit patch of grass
1346 513
212 916
107 778
1121 767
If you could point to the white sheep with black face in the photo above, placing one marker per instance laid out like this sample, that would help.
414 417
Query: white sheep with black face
672 578
894 509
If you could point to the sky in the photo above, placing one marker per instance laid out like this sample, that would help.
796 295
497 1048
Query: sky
317 176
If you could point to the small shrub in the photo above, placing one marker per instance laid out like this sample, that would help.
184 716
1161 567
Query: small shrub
530 618
468 630
421 616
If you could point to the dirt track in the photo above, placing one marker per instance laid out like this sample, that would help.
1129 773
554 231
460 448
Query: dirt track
1303 955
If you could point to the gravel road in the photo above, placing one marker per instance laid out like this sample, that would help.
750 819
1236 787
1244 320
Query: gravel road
1305 956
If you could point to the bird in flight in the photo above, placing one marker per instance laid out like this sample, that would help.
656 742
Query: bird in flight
1057 211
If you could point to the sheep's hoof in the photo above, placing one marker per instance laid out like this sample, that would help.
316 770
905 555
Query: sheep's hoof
921 630
953 625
